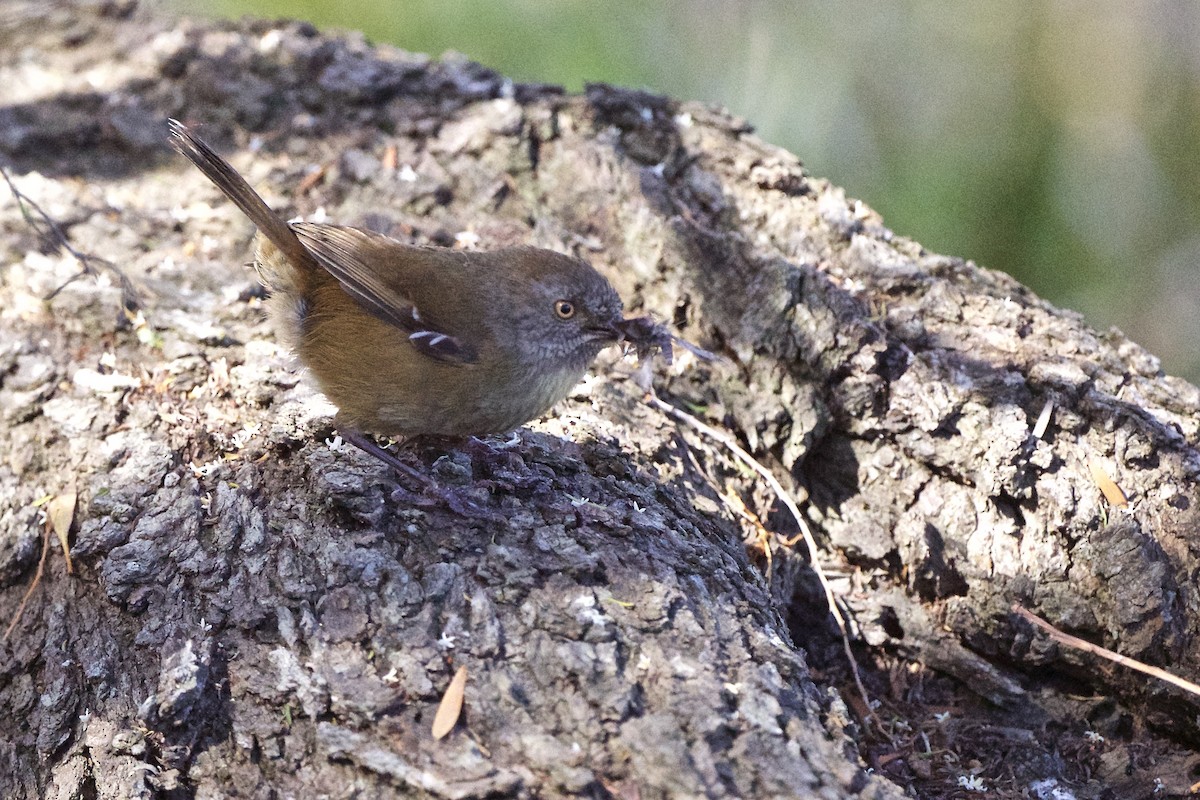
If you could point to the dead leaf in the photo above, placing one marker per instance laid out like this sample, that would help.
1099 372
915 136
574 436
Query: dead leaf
1112 492
60 512
391 158
312 179
450 708
1043 420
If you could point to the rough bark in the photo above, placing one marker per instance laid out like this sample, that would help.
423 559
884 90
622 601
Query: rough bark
257 614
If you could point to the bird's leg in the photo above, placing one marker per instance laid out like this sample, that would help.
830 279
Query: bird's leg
368 446
459 504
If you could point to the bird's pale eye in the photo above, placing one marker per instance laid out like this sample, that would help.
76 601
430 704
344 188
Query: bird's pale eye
565 309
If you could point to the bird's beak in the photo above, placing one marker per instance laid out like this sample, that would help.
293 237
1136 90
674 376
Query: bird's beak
606 333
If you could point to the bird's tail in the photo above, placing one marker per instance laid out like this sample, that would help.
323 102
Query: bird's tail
229 181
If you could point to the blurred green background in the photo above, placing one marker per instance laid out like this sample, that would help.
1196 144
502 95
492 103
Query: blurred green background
1058 140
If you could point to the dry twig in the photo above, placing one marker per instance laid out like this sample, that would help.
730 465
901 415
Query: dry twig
785 498
45 225
1086 646
60 513
37 578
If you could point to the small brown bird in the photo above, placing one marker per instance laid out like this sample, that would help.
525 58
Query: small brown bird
408 340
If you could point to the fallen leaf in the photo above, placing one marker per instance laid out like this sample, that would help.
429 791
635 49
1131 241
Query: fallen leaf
1107 485
311 179
450 708
1043 420
61 513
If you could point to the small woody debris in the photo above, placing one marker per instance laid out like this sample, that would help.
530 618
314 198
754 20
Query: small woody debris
60 513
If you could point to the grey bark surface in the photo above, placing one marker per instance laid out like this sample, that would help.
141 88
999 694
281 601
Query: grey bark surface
258 614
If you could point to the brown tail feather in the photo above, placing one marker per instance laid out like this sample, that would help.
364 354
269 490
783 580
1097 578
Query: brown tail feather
229 181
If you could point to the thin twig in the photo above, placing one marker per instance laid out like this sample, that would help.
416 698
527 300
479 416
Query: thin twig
37 578
761 536
89 264
1103 652
785 498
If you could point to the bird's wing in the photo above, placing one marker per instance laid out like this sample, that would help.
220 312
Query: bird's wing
346 254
